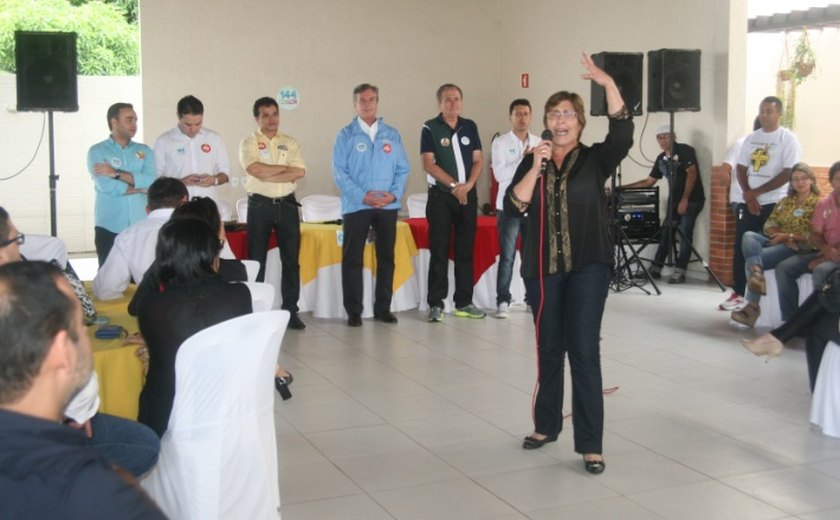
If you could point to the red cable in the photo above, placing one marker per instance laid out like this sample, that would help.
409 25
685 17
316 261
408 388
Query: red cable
542 298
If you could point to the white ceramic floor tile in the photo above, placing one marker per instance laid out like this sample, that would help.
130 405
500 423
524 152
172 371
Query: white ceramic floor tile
795 490
455 499
397 470
355 507
360 442
704 500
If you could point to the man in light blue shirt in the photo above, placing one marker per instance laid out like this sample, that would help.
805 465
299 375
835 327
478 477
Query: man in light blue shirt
121 170
370 169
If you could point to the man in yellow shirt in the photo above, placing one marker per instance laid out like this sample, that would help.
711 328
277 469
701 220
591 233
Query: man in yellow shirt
273 163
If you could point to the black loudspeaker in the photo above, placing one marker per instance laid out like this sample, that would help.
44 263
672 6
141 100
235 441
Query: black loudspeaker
626 69
46 71
674 80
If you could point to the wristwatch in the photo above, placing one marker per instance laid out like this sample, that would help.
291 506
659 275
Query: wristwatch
117 174
453 184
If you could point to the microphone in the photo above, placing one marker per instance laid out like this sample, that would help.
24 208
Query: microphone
546 136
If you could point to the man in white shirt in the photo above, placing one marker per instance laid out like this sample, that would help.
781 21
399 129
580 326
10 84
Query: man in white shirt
194 154
134 248
764 167
507 152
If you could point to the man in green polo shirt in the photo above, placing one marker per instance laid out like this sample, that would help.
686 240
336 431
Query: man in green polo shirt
451 152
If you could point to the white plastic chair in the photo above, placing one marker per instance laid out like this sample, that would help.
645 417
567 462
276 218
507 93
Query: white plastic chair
262 295
46 248
242 210
252 267
416 203
224 211
218 457
825 403
320 208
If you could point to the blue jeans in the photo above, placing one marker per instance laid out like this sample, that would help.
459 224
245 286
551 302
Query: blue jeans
124 443
757 252
745 221
788 272
686 225
568 320
509 229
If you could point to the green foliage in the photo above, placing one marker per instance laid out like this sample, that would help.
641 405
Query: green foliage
127 7
107 45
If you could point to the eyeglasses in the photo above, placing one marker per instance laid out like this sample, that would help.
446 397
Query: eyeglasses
561 114
20 239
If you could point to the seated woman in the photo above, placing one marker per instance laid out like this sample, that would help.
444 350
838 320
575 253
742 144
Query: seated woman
787 232
191 297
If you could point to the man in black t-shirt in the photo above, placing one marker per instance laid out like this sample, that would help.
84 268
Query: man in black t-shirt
686 199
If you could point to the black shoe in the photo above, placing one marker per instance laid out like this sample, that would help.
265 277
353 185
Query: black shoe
295 323
532 443
281 384
354 320
596 467
385 316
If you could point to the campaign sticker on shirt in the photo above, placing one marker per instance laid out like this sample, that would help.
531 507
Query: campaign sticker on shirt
264 154
140 155
444 141
116 162
465 140
261 145
361 147
282 147
798 212
181 150
386 147
205 148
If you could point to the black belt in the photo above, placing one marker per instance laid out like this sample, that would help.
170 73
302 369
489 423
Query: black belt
288 199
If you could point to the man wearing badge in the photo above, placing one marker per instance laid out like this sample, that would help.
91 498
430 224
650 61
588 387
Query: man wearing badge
451 153
370 169
273 163
121 170
192 153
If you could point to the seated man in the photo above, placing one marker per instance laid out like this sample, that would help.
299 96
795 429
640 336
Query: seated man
825 236
45 469
134 248
686 199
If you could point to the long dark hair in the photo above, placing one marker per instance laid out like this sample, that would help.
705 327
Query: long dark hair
201 208
187 250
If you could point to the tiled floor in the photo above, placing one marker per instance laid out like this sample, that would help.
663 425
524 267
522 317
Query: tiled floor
425 421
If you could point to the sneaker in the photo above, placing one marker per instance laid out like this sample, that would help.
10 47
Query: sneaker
435 314
502 311
677 278
733 303
469 311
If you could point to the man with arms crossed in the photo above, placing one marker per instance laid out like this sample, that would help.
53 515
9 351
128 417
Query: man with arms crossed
273 162
451 153
121 170
508 150
45 469
370 169
192 153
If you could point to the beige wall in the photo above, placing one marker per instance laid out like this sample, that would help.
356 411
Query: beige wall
27 196
408 48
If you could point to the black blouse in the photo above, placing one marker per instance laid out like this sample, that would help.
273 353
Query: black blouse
587 214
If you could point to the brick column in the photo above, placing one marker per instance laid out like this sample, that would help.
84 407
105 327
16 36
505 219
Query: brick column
721 226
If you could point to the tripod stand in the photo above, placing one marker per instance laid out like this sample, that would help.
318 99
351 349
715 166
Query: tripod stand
669 225
623 278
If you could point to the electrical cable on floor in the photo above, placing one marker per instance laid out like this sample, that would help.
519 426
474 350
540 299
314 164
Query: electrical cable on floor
34 154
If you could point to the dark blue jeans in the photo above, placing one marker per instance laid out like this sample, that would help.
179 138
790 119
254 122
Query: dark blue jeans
264 216
104 242
568 320
509 229
686 225
356 228
445 215
124 443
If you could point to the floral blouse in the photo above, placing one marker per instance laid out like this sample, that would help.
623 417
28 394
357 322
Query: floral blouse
792 217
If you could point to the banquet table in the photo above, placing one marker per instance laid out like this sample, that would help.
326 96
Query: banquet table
120 372
485 265
320 269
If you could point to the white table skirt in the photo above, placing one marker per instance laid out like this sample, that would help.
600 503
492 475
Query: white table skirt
771 314
484 291
825 404
323 296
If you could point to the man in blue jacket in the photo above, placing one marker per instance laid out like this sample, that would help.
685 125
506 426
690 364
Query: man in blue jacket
370 169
